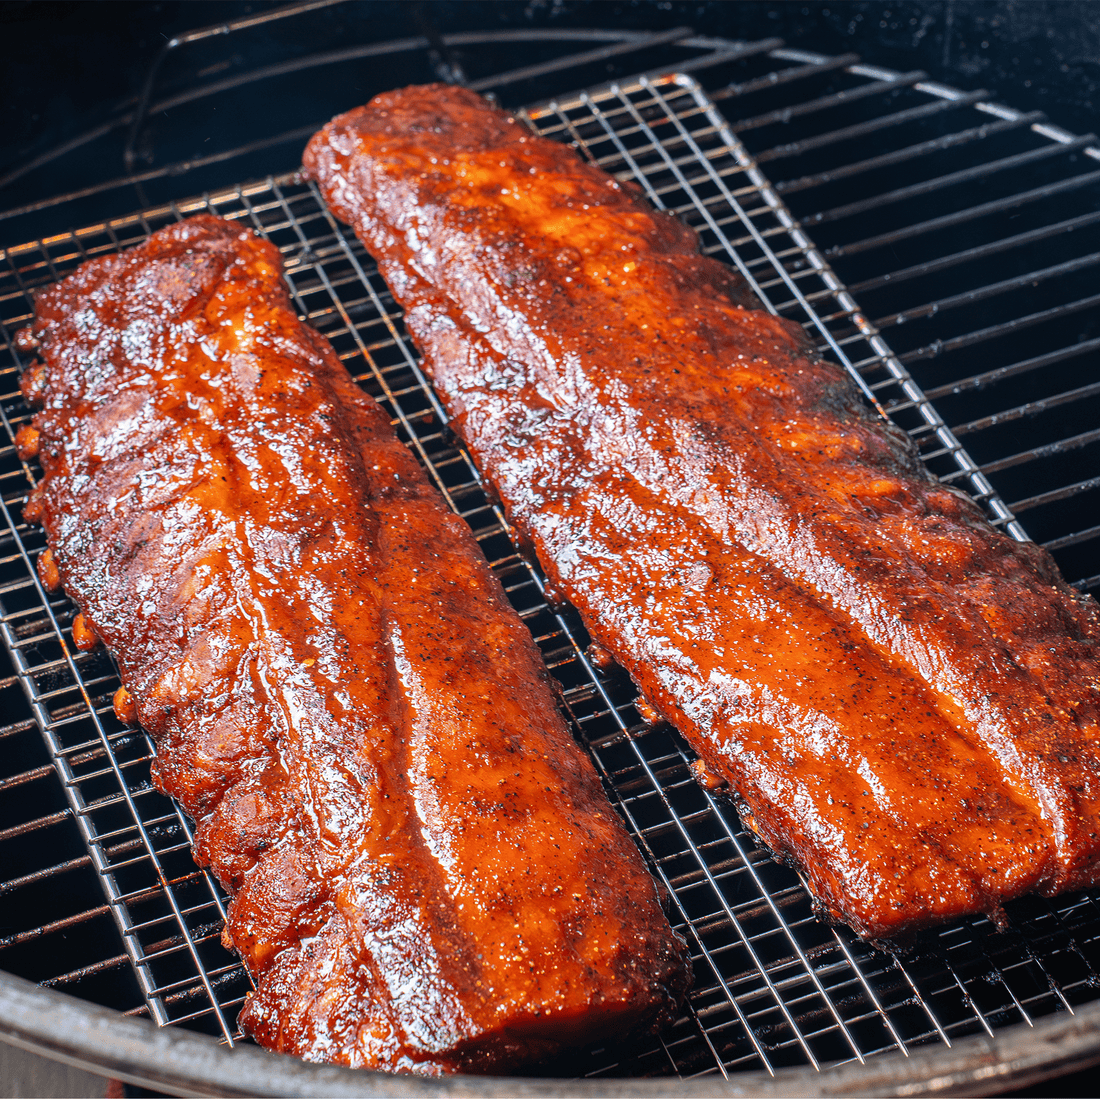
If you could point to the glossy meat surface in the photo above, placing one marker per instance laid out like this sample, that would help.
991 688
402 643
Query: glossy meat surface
903 700
426 873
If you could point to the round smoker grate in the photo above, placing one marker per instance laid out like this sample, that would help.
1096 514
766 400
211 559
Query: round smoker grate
777 989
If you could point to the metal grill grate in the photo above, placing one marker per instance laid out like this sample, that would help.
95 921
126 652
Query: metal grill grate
774 986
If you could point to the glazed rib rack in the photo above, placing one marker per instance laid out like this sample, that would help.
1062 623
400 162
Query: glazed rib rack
940 246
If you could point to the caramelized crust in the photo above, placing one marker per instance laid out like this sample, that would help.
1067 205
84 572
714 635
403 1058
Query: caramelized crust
426 873
903 700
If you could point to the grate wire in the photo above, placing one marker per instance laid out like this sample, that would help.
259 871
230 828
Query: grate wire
775 986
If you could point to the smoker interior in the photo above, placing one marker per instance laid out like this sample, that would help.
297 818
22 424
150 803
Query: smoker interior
940 245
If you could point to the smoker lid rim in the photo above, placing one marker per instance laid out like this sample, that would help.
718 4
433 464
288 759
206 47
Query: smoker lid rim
186 1063
183 1063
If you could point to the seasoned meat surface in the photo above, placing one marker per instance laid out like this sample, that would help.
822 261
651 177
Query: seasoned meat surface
902 699
426 874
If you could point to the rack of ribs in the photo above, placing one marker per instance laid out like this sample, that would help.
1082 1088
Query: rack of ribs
426 873
902 700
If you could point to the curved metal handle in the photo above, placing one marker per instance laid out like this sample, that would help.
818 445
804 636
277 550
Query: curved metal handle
129 154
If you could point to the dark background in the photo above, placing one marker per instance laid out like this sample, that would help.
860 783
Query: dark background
68 67
71 66
68 62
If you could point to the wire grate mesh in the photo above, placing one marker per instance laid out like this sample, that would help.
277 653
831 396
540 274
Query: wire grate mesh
968 236
774 986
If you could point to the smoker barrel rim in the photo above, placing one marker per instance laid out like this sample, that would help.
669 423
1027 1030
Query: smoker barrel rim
68 1029
59 1026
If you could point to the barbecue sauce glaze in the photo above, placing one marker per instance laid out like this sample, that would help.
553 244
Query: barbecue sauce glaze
903 699
426 875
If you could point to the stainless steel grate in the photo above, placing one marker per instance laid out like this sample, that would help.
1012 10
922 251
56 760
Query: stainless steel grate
970 245
774 986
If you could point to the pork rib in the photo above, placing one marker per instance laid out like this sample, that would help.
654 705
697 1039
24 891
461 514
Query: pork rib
427 875
904 700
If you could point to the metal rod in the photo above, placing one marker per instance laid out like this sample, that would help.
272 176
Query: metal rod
862 129
826 102
959 217
778 77
899 156
1004 328
1030 408
198 35
1047 450
977 252
998 374
952 179
601 53
444 62
992 290
1073 539
1063 492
